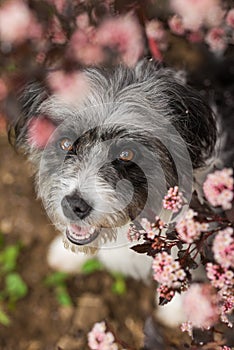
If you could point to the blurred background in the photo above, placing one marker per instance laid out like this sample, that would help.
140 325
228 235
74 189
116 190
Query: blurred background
45 309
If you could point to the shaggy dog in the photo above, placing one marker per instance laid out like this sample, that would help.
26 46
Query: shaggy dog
113 155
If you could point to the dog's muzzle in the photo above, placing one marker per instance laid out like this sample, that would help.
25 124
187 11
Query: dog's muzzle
81 235
75 208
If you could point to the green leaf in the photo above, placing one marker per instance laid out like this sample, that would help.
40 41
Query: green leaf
1 239
2 295
91 266
16 288
4 319
8 258
56 279
63 296
119 285
11 67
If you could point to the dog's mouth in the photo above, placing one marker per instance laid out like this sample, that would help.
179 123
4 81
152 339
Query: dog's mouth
81 235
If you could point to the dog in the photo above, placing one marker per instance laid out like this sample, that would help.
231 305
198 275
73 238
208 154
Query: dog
112 157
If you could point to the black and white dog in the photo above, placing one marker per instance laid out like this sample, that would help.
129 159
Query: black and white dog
113 156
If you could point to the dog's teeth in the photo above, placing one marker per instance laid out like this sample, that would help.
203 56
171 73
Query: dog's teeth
79 235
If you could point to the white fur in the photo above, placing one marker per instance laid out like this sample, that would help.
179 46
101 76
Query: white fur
172 314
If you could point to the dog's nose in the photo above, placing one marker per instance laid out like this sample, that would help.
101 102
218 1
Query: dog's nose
74 206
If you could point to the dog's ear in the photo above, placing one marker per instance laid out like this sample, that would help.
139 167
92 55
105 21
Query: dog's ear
194 120
192 117
183 106
30 128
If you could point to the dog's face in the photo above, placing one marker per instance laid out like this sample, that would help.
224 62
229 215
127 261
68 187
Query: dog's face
112 157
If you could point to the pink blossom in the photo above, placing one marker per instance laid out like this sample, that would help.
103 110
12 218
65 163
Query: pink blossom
195 13
100 339
216 40
223 248
167 271
85 49
82 21
56 32
195 37
157 38
223 280
41 56
70 87
17 22
218 188
227 308
3 89
152 229
165 292
155 30
188 229
176 25
124 35
220 278
40 129
201 305
173 200
230 18
133 233
187 327
225 348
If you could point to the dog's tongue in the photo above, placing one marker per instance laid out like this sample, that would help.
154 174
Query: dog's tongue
80 231
81 235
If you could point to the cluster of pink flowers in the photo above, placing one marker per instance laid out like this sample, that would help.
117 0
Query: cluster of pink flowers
17 23
216 39
91 37
157 38
223 248
187 327
222 279
100 339
122 35
201 305
176 25
88 40
133 233
70 87
188 229
203 20
152 229
218 188
167 271
230 18
165 293
194 14
173 200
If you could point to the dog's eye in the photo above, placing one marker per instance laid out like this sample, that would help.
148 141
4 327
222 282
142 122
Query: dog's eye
66 144
126 155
